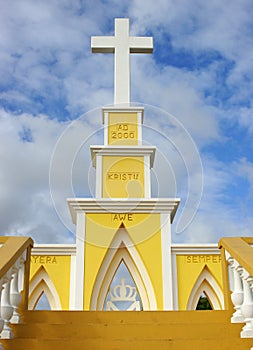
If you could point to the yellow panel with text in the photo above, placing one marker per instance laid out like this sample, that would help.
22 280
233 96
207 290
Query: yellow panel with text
144 231
58 269
123 177
123 129
189 268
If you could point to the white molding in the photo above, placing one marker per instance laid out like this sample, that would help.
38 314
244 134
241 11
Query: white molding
140 121
195 249
54 249
72 282
166 262
80 252
117 205
132 260
147 185
106 122
99 176
123 150
175 281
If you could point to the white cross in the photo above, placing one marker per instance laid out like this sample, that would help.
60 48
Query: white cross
121 45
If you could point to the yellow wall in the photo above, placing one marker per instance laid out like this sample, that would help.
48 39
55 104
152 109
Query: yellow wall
58 269
123 177
123 129
189 268
144 231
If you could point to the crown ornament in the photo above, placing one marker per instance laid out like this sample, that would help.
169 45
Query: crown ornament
123 292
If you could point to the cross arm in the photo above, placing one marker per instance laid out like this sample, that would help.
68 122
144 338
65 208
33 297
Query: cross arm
141 44
102 44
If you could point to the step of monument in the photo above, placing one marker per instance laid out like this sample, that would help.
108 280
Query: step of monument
121 331
120 317
128 343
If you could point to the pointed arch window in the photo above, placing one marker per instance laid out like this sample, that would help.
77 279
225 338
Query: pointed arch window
204 303
207 284
123 293
122 249
41 284
42 303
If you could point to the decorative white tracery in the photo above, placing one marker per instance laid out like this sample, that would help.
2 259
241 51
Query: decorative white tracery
206 283
41 283
123 293
122 249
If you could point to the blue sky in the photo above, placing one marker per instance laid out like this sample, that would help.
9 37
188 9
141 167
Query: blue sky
196 89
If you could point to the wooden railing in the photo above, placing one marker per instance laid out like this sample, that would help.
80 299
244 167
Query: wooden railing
15 255
237 260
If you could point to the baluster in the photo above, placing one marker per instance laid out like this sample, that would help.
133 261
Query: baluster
247 306
21 271
6 308
1 320
15 296
230 261
251 287
237 295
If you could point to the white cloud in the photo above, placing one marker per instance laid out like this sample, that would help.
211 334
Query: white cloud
26 206
46 63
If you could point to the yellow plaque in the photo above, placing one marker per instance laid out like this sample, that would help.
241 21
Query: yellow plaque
123 177
123 129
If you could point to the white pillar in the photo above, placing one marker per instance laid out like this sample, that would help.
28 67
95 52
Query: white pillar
1 320
237 295
6 308
15 295
166 261
80 251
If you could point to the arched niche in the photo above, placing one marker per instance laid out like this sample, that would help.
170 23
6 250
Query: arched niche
123 294
122 249
39 284
207 284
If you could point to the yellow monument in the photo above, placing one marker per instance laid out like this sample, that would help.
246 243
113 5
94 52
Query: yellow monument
123 257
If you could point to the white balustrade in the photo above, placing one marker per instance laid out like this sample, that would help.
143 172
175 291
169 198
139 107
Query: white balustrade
237 294
242 295
247 306
6 307
15 295
1 320
11 286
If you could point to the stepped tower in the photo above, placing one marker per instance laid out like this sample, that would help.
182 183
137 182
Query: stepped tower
123 229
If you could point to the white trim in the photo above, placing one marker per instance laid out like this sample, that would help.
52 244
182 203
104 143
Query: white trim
140 121
124 151
147 185
99 177
72 287
207 283
80 252
117 205
195 249
175 281
166 262
122 248
54 249
106 127
41 283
